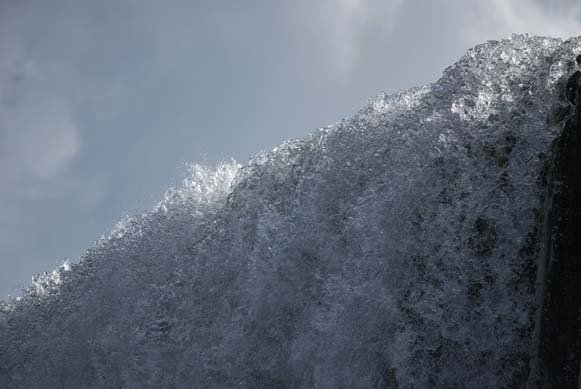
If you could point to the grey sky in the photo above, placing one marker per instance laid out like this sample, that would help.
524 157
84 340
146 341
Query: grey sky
101 102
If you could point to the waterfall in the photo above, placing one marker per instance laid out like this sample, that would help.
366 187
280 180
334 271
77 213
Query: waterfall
412 245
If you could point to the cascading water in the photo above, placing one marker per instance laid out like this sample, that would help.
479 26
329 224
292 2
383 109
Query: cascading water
400 248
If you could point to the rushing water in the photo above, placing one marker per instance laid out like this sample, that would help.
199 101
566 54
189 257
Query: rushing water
398 248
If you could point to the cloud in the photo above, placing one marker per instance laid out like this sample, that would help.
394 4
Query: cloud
39 138
503 17
340 28
350 17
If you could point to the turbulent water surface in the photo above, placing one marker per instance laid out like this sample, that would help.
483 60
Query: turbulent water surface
406 247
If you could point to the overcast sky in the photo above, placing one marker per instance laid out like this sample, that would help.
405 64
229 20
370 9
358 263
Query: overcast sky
102 102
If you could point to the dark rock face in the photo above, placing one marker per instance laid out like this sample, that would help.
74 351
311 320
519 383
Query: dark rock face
561 330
